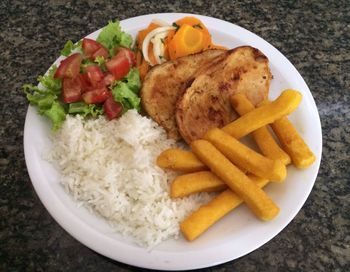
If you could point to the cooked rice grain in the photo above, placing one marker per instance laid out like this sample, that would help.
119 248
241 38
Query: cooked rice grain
110 167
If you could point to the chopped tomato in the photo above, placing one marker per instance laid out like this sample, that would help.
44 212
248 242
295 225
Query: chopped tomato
98 95
112 108
118 66
90 47
130 55
71 90
84 82
94 73
108 79
69 67
101 52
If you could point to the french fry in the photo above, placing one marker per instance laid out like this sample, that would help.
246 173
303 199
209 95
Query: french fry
246 158
256 199
180 160
200 220
203 181
262 136
266 114
293 143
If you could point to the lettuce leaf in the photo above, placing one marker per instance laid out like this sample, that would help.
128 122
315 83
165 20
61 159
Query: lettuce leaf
100 60
46 98
126 91
85 109
112 36
133 80
56 114
44 95
69 47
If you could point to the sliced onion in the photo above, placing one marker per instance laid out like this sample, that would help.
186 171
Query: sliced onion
158 46
148 38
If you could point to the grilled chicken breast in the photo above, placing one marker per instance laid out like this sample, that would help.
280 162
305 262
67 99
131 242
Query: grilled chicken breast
165 83
205 103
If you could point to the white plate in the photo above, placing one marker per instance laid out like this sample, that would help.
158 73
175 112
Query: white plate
238 233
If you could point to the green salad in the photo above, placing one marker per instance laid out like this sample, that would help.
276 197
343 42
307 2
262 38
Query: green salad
96 77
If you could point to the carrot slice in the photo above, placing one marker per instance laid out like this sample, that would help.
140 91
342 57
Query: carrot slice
187 40
142 65
167 40
151 56
196 23
143 69
138 57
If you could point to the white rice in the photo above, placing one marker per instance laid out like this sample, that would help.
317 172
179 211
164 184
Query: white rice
110 167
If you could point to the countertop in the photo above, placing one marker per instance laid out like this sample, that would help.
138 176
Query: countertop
313 35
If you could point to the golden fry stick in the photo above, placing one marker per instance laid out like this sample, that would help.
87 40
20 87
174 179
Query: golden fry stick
293 143
266 114
203 181
246 157
200 220
262 136
256 199
180 160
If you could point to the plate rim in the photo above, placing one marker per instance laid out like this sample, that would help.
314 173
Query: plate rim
73 225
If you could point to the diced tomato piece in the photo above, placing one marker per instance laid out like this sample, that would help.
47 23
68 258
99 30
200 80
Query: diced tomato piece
118 66
90 47
84 82
101 52
108 79
130 55
69 67
71 90
95 96
112 108
94 73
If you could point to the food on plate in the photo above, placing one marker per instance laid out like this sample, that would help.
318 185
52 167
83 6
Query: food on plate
187 83
189 40
161 42
221 171
108 166
96 77
262 136
245 157
179 160
202 181
208 214
205 103
256 199
286 103
293 143
166 83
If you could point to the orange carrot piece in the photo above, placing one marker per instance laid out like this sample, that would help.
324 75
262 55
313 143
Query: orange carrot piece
187 40
143 69
143 33
151 56
167 40
138 57
196 23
